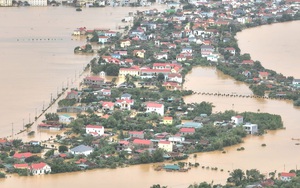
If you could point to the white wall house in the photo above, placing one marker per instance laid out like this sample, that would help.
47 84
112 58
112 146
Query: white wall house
94 130
82 149
66 119
176 139
251 128
155 107
40 168
165 145
37 3
238 120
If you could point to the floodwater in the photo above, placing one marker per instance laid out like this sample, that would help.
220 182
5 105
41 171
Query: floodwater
37 58
276 46
48 64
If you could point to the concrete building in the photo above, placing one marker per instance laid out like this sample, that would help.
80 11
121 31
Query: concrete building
5 3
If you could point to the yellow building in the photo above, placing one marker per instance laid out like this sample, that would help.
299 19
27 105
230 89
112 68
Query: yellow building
139 53
168 120
132 71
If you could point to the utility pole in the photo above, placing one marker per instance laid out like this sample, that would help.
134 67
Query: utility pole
12 130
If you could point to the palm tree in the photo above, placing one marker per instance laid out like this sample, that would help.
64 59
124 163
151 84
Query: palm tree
237 176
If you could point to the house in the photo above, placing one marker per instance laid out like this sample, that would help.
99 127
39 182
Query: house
124 104
251 128
132 71
65 118
3 142
136 134
82 150
296 82
106 92
230 50
103 39
173 86
284 176
175 77
72 95
190 124
22 156
238 120
176 139
126 96
248 62
168 120
165 145
40 168
142 142
212 57
181 57
263 75
139 53
185 131
108 105
125 43
22 166
93 81
110 34
155 107
161 56
94 130
207 50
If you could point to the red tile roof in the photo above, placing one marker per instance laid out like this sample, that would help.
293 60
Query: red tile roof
187 130
94 126
37 166
164 142
24 165
286 174
124 142
154 105
141 142
80 161
22 155
168 118
136 132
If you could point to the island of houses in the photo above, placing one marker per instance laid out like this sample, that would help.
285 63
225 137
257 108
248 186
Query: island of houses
140 115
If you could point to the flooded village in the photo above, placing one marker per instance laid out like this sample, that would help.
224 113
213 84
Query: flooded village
140 115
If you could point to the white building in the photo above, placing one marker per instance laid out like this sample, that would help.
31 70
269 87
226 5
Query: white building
82 149
94 130
176 139
238 120
5 3
66 119
40 168
37 3
165 145
284 176
251 128
155 107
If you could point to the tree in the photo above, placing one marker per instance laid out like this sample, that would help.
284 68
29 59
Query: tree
32 159
62 149
160 77
49 153
2 175
237 176
253 175
51 117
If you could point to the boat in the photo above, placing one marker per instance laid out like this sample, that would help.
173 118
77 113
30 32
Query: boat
78 9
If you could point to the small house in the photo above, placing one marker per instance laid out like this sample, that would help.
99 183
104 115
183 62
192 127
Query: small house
82 149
